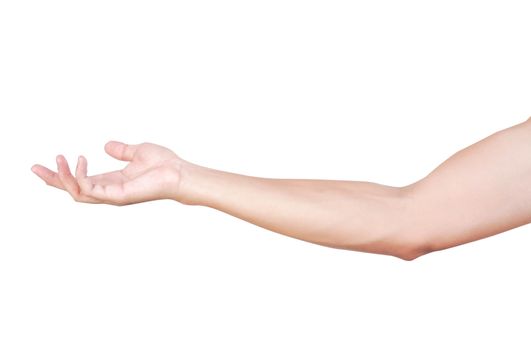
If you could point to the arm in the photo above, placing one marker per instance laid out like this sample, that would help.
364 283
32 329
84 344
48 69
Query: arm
478 192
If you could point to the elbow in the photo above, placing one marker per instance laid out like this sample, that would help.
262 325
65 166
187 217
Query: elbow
410 254
411 247
410 240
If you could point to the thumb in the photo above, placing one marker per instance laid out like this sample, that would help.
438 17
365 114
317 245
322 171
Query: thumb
120 150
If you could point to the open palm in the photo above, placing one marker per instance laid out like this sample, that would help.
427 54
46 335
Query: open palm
153 172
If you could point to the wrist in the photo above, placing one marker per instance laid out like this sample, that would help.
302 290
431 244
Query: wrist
192 183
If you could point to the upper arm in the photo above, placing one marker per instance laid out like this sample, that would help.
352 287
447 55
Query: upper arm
480 191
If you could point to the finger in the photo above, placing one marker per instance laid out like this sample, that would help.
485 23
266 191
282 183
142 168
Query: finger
81 168
89 190
120 150
51 178
85 184
73 185
66 177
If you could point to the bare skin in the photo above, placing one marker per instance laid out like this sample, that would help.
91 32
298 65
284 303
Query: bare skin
480 191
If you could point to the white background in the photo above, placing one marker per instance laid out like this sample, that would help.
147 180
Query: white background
362 90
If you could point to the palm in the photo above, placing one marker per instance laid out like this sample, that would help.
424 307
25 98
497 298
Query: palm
152 173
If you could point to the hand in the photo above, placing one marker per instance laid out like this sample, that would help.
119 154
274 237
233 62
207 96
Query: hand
153 172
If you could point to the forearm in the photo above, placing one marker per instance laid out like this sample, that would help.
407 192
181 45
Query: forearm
351 215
